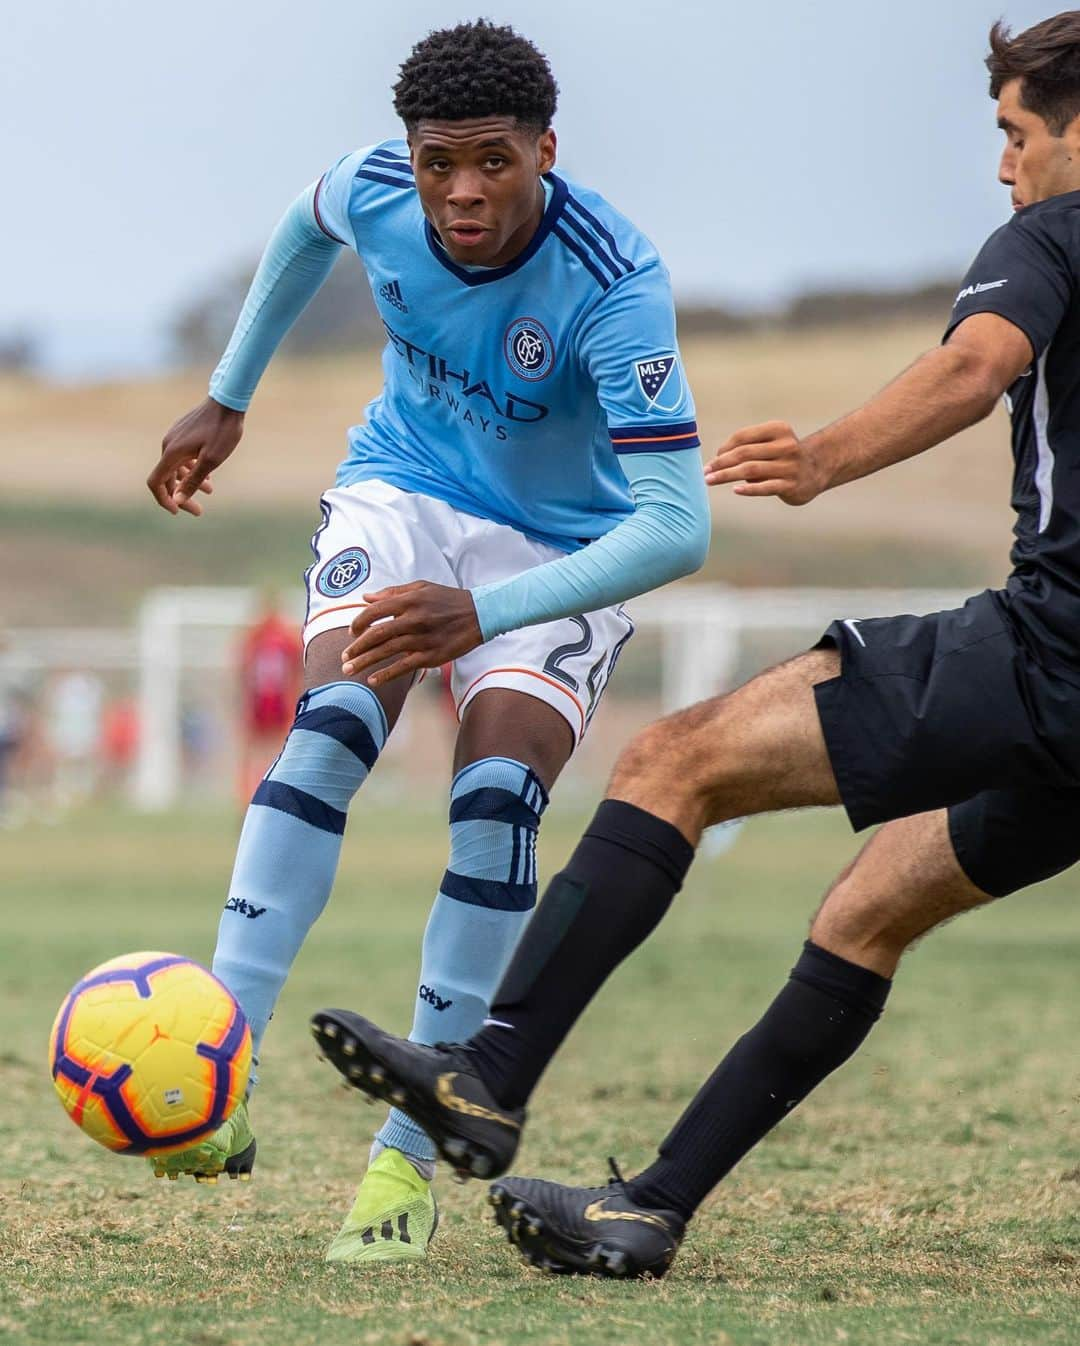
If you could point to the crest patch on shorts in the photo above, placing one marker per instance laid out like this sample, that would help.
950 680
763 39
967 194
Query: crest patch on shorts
529 349
343 573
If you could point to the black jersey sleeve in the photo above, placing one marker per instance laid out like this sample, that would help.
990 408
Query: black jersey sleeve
1023 274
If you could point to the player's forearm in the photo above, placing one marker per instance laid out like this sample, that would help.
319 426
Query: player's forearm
665 538
298 258
943 392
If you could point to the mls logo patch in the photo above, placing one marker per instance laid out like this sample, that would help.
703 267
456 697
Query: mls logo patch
529 349
653 375
343 573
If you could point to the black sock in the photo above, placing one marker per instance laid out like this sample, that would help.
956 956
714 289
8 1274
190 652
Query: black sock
816 1022
615 888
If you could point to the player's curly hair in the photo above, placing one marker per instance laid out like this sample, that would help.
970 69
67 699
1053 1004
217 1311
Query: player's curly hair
477 69
1046 58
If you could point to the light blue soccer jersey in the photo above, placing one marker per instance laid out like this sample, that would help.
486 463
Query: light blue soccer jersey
510 391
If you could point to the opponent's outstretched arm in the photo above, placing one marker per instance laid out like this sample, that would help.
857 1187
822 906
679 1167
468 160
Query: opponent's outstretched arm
297 260
943 392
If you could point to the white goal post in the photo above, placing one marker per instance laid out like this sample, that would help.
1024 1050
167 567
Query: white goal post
701 629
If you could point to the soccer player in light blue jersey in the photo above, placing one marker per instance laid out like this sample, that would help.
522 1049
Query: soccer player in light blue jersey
531 463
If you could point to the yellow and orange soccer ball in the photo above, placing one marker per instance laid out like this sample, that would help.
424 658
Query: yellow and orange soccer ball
150 1053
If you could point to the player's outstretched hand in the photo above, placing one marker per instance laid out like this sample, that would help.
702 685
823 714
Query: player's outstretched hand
197 444
768 459
419 625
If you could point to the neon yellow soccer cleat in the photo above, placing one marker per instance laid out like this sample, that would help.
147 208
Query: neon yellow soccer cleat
394 1216
231 1150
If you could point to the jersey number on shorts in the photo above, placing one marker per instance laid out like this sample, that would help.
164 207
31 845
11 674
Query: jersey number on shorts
571 650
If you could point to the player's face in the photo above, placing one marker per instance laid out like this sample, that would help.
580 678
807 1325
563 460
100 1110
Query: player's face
479 185
1035 163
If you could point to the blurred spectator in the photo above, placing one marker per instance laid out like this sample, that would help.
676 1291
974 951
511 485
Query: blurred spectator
15 720
271 673
200 736
74 703
119 740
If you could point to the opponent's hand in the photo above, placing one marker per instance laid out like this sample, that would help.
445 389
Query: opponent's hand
769 459
418 625
197 444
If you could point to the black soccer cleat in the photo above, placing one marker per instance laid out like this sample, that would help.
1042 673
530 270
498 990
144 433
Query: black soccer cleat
594 1231
437 1086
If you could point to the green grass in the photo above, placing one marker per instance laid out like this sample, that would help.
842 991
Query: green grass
929 1193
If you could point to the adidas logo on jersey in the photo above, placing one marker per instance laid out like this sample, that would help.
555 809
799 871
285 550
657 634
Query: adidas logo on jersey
391 292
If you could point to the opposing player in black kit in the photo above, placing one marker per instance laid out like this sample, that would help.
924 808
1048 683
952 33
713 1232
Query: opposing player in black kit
960 732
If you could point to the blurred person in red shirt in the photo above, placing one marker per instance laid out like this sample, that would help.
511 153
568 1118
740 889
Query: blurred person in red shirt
270 674
119 740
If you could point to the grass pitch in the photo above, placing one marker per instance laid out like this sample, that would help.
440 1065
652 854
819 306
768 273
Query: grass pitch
929 1193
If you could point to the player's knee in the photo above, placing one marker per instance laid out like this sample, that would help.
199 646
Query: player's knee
335 740
855 921
674 755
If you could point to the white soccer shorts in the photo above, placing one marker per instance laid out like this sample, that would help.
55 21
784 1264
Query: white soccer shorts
373 535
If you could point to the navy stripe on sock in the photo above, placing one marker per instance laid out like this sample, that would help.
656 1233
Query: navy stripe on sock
274 794
494 805
338 723
515 854
488 892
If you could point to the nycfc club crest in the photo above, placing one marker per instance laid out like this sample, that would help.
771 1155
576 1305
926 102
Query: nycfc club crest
343 573
529 349
655 375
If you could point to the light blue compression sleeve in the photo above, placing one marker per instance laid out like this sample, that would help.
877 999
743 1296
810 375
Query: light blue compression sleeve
297 260
666 536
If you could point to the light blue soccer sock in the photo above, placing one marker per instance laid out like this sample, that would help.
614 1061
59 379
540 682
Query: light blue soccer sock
290 843
484 903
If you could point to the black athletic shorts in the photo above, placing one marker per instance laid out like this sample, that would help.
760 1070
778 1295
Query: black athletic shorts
950 711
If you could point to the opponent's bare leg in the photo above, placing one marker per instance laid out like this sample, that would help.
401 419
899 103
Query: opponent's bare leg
754 750
905 881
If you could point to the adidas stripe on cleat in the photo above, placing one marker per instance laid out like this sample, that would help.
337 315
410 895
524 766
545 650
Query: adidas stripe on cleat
393 1218
438 1087
591 1231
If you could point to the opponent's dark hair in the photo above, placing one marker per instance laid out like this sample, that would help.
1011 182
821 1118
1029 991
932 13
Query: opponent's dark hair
1046 59
476 70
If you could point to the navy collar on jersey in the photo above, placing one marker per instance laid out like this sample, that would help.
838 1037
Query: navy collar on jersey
482 275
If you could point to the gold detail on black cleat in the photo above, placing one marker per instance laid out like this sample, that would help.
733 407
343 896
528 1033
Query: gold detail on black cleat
596 1212
447 1098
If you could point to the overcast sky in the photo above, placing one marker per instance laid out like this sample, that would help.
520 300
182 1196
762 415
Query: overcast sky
763 146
